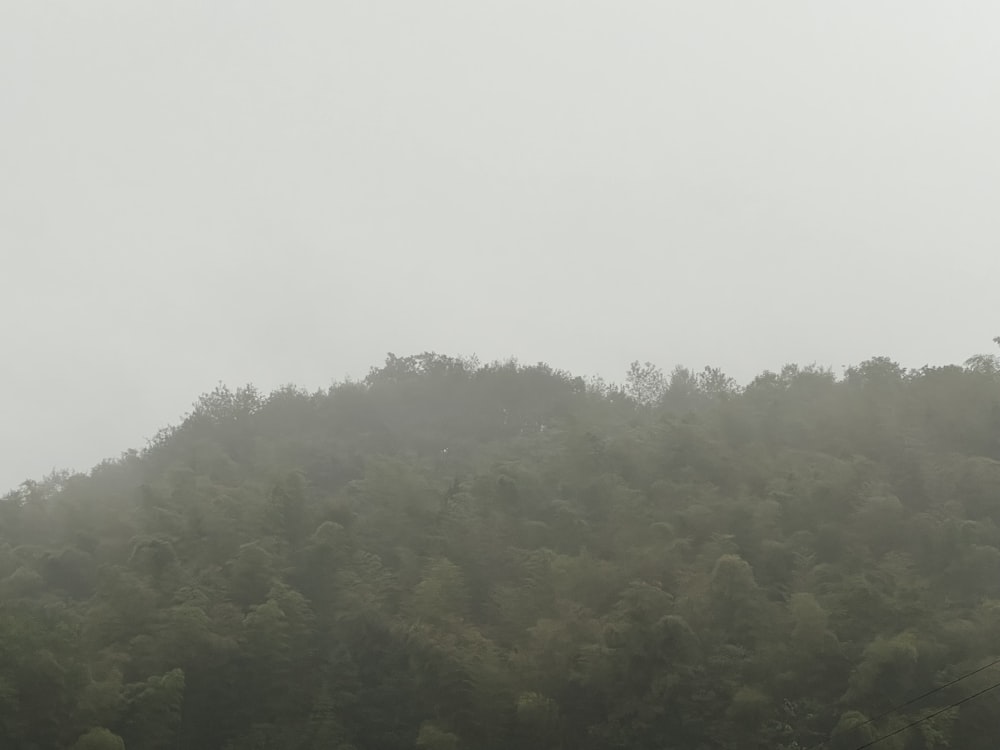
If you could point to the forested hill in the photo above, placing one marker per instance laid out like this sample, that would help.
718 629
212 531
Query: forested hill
454 556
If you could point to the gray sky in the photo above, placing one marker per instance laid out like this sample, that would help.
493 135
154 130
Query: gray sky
276 192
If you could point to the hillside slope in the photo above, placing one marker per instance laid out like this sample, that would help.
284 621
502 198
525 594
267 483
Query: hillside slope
454 555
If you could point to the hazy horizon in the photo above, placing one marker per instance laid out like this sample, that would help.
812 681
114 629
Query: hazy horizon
274 193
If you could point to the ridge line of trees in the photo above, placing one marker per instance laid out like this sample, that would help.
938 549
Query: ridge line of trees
449 554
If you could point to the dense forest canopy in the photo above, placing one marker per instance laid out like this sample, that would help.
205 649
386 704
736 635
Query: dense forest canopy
452 555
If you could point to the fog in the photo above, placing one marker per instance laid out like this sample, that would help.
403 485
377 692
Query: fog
283 192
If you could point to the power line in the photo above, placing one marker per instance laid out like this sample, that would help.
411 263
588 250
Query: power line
910 702
920 697
931 715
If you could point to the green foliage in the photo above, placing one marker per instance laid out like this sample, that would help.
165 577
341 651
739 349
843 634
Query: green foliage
431 737
152 712
99 739
452 554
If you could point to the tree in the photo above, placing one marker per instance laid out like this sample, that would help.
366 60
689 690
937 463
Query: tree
153 712
99 739
985 364
645 384
451 554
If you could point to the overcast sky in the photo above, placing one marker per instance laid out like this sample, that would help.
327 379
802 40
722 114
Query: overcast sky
277 192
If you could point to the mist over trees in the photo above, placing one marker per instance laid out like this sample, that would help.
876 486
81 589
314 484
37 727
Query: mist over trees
451 554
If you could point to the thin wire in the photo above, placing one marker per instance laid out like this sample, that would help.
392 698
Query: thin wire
910 702
929 716
925 695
